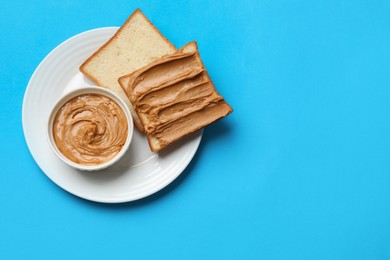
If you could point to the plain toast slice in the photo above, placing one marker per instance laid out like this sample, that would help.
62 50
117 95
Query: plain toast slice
137 43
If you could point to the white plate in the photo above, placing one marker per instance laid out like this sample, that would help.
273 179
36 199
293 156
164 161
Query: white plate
138 174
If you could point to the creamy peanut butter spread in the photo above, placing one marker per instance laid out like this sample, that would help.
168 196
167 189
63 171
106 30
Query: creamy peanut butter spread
90 129
171 94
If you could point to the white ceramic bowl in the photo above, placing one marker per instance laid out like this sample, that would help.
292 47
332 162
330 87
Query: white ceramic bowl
78 92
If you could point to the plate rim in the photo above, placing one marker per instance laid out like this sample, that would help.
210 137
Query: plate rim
67 189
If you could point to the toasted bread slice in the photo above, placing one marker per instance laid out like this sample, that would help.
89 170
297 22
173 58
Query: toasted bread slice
174 96
136 44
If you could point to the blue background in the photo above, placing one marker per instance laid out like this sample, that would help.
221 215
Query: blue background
300 170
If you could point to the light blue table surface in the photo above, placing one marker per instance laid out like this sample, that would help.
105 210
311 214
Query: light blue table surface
299 170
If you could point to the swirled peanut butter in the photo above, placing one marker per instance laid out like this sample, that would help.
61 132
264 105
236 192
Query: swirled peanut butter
90 129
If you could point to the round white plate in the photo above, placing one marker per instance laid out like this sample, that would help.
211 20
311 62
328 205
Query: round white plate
138 174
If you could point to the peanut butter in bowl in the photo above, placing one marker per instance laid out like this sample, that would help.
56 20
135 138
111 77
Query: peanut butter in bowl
90 128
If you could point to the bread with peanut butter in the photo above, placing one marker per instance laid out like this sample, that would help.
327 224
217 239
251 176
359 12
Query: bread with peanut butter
174 96
137 43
